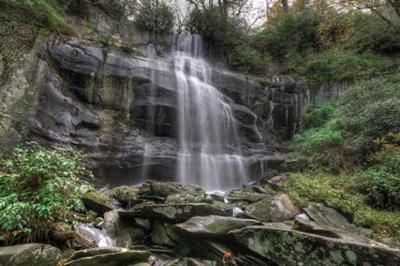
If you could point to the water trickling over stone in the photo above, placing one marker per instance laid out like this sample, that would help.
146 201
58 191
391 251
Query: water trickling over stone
209 146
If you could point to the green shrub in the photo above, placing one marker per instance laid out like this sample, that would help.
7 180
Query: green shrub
320 115
248 60
369 110
293 30
156 18
382 182
369 31
39 186
340 64
221 30
365 112
317 139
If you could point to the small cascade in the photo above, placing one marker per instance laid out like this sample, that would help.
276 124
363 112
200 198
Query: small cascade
209 147
99 236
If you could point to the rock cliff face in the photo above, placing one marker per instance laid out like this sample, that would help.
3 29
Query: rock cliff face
96 96
99 100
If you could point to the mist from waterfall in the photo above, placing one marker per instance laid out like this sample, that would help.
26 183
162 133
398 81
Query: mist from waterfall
209 147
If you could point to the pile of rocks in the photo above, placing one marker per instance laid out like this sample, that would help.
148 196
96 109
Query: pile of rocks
174 224
254 225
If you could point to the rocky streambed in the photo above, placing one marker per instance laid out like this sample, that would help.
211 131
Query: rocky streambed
174 224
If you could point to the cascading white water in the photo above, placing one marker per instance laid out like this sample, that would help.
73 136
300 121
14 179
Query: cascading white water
209 146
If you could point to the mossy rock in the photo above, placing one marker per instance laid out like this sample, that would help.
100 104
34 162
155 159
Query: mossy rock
125 194
98 202
30 254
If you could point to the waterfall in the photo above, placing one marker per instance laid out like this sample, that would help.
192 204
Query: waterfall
209 147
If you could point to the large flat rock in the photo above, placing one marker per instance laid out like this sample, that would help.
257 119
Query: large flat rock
29 255
289 247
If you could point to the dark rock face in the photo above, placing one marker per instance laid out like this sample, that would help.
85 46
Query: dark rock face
100 101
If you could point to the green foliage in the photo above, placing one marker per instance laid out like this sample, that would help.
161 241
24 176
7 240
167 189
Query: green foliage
343 193
365 112
295 30
319 116
156 18
369 31
47 14
340 64
382 182
318 139
369 110
39 186
215 27
248 60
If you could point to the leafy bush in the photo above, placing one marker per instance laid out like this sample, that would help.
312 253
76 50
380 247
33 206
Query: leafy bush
39 186
319 116
248 60
155 17
365 112
292 30
317 139
370 110
369 31
382 182
220 30
340 64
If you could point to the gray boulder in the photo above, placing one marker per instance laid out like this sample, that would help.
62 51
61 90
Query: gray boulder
126 194
276 209
124 232
164 234
99 202
329 217
29 255
277 182
250 194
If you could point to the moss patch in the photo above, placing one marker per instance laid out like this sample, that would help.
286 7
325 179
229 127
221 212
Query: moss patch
98 197
44 14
